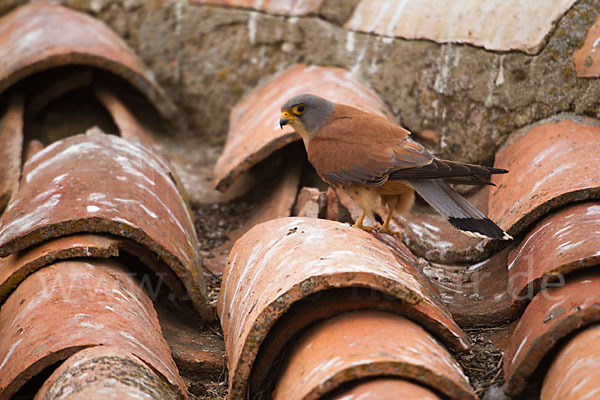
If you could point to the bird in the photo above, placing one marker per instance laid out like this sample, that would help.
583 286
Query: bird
375 161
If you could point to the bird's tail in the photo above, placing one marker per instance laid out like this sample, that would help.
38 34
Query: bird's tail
458 211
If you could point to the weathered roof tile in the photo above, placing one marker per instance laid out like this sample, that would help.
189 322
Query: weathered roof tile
366 344
105 184
575 372
552 315
385 389
309 203
44 35
550 164
559 244
105 373
11 148
281 262
71 305
16 267
277 203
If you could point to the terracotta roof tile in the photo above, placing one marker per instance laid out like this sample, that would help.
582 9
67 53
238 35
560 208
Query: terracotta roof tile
33 147
332 211
105 373
587 58
282 262
16 267
56 86
476 295
309 203
341 311
254 136
136 190
33 38
197 348
575 372
129 126
493 24
277 203
11 148
550 164
357 345
385 389
71 305
559 244
552 315
284 7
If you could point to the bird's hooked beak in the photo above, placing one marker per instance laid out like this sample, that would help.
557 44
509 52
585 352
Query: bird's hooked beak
286 118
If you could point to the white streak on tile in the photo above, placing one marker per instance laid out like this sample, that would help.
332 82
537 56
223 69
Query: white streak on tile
10 352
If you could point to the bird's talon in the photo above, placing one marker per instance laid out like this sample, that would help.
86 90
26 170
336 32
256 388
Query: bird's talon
364 228
389 231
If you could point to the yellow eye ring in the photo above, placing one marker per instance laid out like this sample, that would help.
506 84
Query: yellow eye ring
298 109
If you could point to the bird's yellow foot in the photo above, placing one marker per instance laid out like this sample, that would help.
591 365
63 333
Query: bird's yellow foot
363 227
359 223
386 229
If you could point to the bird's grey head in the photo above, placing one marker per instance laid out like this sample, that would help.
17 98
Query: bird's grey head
306 113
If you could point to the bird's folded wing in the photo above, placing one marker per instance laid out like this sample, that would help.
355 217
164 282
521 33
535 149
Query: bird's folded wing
445 170
360 148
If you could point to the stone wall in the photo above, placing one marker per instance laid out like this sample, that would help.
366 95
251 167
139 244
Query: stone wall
208 57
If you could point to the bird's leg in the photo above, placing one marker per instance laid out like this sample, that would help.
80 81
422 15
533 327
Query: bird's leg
359 222
385 228
386 225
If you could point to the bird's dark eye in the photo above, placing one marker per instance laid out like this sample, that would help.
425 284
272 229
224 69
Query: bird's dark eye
299 109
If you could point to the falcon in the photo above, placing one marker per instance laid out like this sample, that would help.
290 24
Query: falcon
375 162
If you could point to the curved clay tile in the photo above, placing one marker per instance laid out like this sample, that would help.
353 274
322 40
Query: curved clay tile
558 244
277 202
254 131
71 305
283 7
551 163
385 389
16 267
553 314
367 344
43 35
11 149
575 372
475 295
296 261
105 184
105 373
